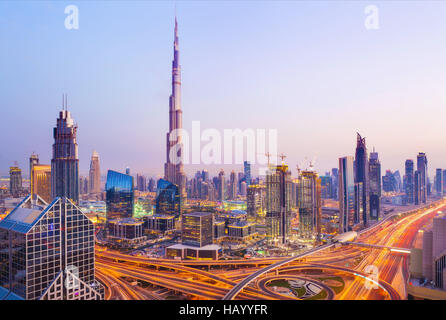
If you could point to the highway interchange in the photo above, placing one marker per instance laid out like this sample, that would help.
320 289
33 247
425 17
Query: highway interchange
127 277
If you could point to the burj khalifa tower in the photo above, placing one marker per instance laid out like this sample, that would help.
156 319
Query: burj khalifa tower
173 168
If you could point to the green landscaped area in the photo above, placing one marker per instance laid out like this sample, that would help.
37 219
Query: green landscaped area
298 292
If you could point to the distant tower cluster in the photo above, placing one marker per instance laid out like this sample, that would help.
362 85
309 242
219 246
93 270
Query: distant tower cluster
65 160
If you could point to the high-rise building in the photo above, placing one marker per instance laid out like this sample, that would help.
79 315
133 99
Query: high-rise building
173 168
335 177
141 183
120 198
309 204
375 185
41 181
278 203
361 169
233 186
247 172
65 161
409 181
439 181
197 229
83 185
15 181
221 185
422 169
95 174
47 253
444 182
346 194
326 187
33 160
255 203
151 186
417 187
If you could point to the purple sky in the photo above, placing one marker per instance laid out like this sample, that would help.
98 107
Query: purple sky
309 69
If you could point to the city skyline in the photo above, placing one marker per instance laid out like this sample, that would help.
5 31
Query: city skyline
143 121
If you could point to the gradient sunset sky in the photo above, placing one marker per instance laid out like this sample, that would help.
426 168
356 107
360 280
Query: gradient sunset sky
309 69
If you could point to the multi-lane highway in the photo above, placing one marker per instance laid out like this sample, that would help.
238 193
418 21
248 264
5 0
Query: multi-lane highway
245 279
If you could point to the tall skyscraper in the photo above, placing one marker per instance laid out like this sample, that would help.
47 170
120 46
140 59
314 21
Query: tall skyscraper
41 181
309 204
247 171
95 174
15 181
278 203
48 253
375 185
409 181
346 194
439 181
444 182
233 186
417 187
173 168
141 183
335 183
33 160
362 175
422 169
221 185
65 160
151 186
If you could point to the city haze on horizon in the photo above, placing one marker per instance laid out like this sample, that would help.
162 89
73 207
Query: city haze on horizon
310 70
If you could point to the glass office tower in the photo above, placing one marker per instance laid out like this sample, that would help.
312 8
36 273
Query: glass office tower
47 253
168 198
119 195
346 195
197 229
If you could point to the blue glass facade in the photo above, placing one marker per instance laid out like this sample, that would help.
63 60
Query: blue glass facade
119 195
167 198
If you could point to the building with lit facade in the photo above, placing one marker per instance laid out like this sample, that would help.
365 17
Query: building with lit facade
309 204
168 198
278 204
346 194
197 229
15 181
375 186
159 223
255 203
119 193
196 237
241 231
126 231
47 253
94 180
41 181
